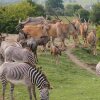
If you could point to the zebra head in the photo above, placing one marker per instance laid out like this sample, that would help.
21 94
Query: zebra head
44 94
44 90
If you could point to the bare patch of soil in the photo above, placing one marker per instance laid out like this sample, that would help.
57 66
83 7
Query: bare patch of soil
73 58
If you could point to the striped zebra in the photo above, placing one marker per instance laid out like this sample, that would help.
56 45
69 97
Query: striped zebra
6 44
14 54
24 73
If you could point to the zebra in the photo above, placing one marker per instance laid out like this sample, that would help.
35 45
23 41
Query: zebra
26 74
14 54
4 45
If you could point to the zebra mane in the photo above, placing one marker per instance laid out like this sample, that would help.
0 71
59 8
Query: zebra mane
47 84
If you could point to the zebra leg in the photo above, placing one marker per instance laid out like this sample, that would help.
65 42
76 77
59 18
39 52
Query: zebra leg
4 83
35 55
11 91
30 94
34 93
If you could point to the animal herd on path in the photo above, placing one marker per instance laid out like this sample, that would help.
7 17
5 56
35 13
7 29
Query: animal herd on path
20 58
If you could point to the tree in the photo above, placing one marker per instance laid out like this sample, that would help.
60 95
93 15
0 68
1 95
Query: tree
98 36
52 5
10 15
71 9
84 14
95 13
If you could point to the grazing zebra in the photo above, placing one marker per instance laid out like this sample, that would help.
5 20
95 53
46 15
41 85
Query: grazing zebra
13 54
26 74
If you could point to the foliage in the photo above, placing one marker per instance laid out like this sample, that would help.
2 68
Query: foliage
84 14
70 9
95 13
10 14
98 36
52 6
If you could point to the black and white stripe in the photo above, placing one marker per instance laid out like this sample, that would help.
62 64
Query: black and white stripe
15 72
13 54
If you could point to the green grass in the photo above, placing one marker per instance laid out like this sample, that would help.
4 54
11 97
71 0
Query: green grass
87 57
69 81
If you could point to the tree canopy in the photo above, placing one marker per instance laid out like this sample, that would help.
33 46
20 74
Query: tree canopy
53 5
71 9
95 13
84 14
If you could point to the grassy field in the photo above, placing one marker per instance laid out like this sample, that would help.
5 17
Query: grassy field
84 55
69 81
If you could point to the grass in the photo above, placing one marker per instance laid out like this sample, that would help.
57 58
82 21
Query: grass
69 81
85 56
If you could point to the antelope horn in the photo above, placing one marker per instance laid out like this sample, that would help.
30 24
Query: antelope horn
75 15
79 15
84 20
88 20
19 20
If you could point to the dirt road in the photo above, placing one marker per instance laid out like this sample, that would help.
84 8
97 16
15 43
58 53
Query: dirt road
83 65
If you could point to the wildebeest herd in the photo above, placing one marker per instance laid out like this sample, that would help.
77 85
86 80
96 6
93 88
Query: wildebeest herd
19 58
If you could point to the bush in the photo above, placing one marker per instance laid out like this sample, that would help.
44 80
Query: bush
95 14
10 15
98 37
70 9
84 14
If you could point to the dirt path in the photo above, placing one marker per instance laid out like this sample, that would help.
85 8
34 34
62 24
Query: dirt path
83 65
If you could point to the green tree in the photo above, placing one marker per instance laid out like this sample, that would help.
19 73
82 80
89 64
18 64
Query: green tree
71 9
84 14
95 13
98 36
10 14
52 5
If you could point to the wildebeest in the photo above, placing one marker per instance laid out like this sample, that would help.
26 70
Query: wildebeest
34 43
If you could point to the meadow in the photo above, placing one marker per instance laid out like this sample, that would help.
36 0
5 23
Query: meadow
69 81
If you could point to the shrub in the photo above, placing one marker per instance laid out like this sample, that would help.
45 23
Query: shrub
10 14
98 36
84 14
95 13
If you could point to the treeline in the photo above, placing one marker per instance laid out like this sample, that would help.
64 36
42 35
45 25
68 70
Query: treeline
56 6
10 14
